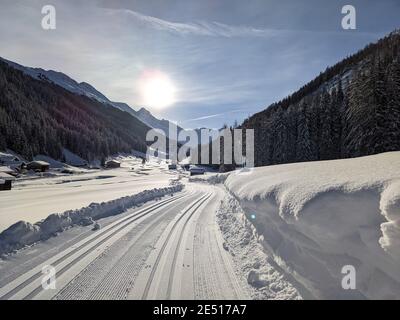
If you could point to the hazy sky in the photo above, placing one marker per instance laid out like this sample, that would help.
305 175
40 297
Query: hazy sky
227 58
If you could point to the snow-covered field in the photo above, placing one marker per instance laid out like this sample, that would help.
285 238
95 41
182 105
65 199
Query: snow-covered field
23 233
33 198
314 218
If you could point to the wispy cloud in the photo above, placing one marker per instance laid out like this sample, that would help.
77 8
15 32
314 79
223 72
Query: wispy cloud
216 115
221 57
201 28
218 29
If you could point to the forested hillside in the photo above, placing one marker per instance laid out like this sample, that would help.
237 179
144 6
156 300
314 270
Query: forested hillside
350 110
38 117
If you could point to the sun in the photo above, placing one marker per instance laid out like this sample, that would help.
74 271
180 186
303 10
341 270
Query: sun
157 89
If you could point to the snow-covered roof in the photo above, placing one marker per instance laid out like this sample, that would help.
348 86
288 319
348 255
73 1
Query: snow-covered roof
5 176
113 161
53 163
6 169
41 163
185 161
4 155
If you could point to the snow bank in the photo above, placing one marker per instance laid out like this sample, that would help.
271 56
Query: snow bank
242 242
24 233
317 217
390 208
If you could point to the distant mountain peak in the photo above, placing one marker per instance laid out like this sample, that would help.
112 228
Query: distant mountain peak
143 110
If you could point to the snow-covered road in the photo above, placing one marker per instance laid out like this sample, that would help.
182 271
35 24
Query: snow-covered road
171 248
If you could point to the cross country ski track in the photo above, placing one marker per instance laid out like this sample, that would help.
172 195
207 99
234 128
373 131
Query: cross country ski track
169 249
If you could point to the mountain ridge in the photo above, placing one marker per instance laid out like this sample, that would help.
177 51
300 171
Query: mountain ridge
86 89
41 117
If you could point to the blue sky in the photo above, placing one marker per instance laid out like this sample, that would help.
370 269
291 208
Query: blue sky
227 58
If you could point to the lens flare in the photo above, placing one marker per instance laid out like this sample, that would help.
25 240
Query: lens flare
157 89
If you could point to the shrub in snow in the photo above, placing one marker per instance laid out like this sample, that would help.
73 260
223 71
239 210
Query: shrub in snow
257 279
86 221
96 226
225 246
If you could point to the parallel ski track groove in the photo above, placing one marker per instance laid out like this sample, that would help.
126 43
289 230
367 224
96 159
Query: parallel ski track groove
130 219
154 269
171 277
128 266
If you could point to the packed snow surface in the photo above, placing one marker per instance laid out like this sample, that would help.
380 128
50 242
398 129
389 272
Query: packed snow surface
316 217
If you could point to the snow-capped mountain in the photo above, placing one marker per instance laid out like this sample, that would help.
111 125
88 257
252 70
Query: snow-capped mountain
60 79
42 118
146 116
88 90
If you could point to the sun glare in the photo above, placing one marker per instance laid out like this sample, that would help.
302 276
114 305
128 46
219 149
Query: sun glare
157 90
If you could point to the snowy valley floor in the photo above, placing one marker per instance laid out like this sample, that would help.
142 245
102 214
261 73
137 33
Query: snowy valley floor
278 232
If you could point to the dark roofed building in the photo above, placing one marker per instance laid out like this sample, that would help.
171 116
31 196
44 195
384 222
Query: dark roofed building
113 164
38 166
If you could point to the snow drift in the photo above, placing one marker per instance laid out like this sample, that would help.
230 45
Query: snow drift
316 217
266 282
24 233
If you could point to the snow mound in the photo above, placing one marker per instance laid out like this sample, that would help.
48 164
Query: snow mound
390 208
19 235
317 217
264 280
24 233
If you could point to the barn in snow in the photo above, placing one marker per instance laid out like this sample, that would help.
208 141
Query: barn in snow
5 181
38 166
113 164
